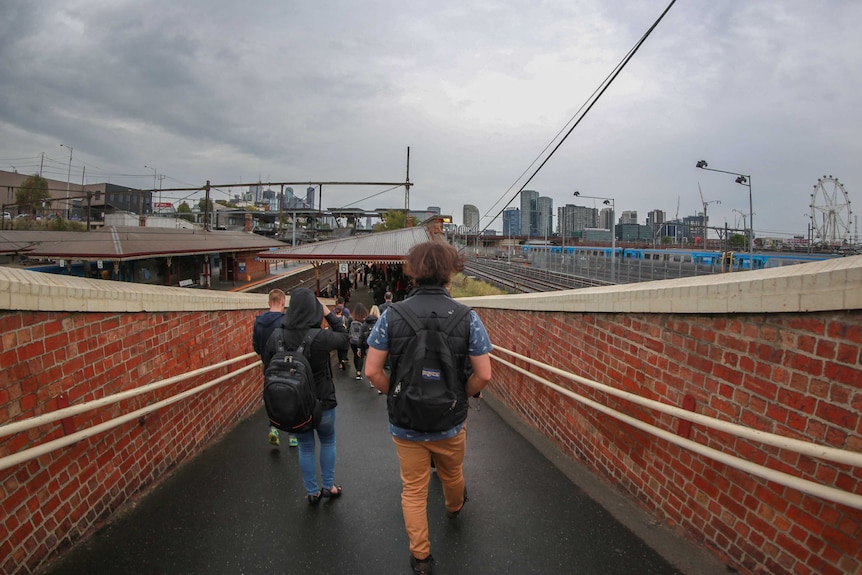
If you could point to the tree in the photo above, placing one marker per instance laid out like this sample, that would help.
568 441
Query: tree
394 220
202 204
185 212
31 194
737 241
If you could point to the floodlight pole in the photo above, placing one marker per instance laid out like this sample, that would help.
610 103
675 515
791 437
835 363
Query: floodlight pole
745 180
608 201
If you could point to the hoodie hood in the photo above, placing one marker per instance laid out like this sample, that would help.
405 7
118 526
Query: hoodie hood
304 310
270 320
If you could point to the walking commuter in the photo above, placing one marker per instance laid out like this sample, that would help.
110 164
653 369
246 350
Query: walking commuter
343 315
431 265
264 325
387 301
305 312
355 332
370 322
344 287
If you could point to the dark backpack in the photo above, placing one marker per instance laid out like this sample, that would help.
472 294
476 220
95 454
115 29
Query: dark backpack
426 392
355 332
288 386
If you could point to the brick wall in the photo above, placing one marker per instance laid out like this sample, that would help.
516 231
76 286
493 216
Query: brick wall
793 374
49 502
777 350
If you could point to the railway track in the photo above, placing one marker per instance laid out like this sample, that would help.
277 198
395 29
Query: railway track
521 278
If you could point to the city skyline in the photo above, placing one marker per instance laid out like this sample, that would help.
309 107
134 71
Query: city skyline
479 93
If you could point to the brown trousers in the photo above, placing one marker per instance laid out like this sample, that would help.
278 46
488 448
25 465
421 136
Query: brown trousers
415 459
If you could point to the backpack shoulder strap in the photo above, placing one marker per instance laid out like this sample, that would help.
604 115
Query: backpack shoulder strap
452 321
305 347
279 338
408 315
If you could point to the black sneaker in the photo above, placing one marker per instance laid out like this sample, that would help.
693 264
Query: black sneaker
423 567
454 514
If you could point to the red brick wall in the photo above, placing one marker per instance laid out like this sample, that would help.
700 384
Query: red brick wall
49 502
796 375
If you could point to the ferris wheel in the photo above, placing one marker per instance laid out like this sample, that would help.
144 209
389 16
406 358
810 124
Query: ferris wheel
830 211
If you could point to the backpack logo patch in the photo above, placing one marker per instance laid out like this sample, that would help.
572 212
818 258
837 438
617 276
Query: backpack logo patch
433 374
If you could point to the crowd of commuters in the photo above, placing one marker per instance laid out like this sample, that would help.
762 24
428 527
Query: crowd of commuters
380 348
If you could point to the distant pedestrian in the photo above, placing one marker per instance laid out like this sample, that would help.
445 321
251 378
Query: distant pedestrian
370 322
356 332
431 265
342 314
387 301
344 288
264 325
304 312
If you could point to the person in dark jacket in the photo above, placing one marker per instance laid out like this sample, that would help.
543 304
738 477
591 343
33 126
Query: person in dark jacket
431 265
264 325
360 314
304 312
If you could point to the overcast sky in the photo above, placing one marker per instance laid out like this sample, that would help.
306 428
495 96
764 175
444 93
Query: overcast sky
281 90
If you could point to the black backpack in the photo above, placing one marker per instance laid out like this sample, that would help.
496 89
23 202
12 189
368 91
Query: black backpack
288 386
426 392
355 332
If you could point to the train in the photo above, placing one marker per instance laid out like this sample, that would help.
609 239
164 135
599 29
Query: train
731 260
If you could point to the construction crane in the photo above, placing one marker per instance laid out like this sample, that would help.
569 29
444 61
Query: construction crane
705 219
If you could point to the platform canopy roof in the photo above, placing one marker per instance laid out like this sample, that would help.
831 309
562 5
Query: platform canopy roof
130 243
384 247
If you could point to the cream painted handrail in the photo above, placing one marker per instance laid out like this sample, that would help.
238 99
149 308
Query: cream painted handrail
802 447
787 480
33 452
72 410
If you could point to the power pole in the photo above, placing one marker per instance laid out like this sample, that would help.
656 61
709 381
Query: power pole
407 183
207 208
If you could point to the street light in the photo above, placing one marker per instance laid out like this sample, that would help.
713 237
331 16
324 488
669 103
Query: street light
745 180
608 202
68 177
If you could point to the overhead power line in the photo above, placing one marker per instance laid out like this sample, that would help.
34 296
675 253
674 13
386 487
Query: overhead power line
579 115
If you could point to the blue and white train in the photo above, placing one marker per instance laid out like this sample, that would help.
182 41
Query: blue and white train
739 260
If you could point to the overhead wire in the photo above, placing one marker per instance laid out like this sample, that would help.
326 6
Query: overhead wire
591 101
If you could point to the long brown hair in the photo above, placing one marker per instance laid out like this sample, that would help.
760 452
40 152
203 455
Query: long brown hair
359 312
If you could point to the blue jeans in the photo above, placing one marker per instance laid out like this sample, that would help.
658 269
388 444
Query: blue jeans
307 447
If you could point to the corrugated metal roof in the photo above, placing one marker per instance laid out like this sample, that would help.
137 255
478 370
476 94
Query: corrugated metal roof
385 247
22 241
134 243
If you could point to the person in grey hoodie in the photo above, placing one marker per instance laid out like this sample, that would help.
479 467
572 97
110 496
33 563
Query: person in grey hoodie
264 325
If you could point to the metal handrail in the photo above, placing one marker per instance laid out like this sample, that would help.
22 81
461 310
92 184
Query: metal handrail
73 410
39 450
785 479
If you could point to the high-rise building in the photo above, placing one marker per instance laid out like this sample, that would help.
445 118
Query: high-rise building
572 218
471 218
309 197
606 219
529 213
629 217
546 216
434 210
254 191
511 222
